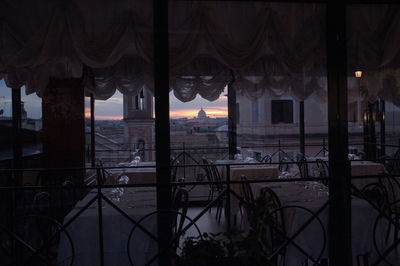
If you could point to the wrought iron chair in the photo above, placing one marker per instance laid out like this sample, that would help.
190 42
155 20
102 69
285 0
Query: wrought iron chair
209 177
40 241
270 195
102 174
387 231
179 216
68 196
302 165
276 238
323 170
284 161
376 193
392 163
213 175
218 188
180 172
266 159
247 200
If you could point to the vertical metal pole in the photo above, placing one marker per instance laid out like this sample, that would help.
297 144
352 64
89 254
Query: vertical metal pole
162 129
365 131
16 129
279 150
184 162
92 131
371 152
301 127
100 216
232 118
228 198
383 129
17 164
339 170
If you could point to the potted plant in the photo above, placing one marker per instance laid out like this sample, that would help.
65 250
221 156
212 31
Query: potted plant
234 248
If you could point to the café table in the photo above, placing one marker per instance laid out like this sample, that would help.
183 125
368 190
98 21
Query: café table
310 239
84 231
358 168
250 171
144 172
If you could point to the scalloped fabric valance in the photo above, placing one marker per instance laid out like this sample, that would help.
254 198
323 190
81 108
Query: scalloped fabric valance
267 47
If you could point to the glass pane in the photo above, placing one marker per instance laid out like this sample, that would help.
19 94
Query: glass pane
269 60
373 63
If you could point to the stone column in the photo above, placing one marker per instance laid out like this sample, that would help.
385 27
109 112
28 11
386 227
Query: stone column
64 130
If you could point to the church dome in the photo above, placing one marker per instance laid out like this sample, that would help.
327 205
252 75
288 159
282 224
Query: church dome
201 114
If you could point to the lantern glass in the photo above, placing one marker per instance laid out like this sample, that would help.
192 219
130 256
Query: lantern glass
358 73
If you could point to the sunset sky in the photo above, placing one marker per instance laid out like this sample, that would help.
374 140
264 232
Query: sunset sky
113 108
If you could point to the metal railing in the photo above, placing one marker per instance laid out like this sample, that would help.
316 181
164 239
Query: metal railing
19 248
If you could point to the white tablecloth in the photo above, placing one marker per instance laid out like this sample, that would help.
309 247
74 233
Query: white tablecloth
85 232
138 175
358 168
249 171
363 218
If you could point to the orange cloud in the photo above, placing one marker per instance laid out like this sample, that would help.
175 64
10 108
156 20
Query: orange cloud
87 112
190 113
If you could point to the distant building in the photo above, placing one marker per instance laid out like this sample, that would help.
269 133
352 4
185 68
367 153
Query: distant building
139 123
199 131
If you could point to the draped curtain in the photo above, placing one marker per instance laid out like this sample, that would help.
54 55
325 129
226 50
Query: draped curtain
273 48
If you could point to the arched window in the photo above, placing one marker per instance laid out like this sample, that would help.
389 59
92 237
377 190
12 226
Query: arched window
140 146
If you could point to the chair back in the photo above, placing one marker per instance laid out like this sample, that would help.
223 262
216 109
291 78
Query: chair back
180 202
246 191
266 159
41 203
302 165
270 195
376 193
323 170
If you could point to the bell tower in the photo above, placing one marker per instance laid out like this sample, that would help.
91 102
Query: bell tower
139 123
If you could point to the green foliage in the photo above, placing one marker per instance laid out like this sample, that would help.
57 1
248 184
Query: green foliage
233 247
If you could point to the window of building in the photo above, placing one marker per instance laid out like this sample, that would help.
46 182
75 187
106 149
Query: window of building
282 111
254 111
139 101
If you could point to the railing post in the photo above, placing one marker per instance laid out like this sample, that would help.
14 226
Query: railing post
184 161
279 150
301 127
383 129
100 214
228 198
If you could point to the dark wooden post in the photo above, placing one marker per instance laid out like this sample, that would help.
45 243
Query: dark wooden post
339 170
232 119
162 130
301 127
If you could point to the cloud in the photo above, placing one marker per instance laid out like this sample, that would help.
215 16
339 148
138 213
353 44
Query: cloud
105 117
221 111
